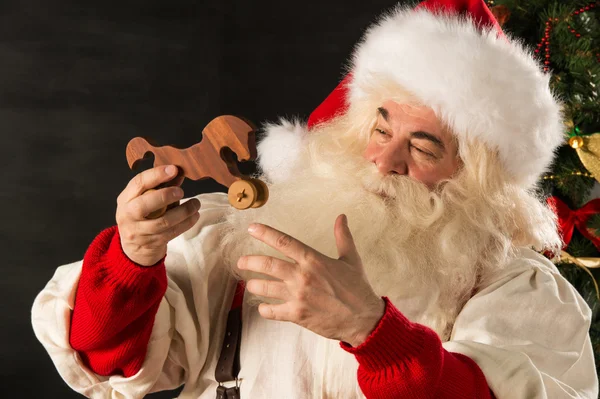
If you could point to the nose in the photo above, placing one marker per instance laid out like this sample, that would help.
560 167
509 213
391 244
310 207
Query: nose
391 161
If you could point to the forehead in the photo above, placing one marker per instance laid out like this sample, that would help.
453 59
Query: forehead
413 114
412 117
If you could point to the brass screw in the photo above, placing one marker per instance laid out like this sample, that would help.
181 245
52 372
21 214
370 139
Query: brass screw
241 195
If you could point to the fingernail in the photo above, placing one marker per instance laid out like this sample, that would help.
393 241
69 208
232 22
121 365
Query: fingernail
252 228
171 170
345 220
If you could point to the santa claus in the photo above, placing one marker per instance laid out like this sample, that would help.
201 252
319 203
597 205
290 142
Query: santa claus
395 258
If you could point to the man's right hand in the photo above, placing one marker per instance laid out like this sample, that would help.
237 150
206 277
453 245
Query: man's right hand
144 241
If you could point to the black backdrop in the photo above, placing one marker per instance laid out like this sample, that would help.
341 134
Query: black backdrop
78 80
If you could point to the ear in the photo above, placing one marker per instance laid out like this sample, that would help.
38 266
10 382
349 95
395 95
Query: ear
279 149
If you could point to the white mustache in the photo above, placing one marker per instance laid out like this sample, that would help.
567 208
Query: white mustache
388 187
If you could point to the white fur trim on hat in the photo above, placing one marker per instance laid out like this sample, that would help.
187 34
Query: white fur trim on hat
482 86
278 150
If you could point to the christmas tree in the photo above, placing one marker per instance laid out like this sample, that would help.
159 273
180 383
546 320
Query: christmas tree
566 39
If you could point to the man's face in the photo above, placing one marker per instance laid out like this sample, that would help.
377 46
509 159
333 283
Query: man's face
410 140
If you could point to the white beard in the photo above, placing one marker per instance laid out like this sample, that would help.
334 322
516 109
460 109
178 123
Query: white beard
398 238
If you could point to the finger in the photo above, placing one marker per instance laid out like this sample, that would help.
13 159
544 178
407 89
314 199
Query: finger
173 232
150 201
344 241
268 265
177 180
284 243
268 288
274 312
171 218
182 227
146 180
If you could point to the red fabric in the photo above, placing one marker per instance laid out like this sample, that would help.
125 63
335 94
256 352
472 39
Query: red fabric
117 301
476 9
115 307
402 359
334 104
238 296
337 101
568 219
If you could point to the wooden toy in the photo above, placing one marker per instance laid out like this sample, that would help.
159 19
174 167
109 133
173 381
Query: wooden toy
212 158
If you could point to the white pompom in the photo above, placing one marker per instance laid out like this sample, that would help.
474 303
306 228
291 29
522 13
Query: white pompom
279 149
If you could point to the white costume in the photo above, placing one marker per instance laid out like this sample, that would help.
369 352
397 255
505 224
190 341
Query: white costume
526 328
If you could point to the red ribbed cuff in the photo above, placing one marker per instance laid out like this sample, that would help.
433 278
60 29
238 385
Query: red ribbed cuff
394 342
106 251
405 359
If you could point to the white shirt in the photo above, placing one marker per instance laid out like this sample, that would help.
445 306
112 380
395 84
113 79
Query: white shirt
526 328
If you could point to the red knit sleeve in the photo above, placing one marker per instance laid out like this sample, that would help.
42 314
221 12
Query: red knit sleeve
115 307
402 359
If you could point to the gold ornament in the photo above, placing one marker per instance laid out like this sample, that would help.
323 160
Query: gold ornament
588 149
576 142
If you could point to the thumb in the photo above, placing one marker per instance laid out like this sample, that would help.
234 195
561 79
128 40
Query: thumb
344 241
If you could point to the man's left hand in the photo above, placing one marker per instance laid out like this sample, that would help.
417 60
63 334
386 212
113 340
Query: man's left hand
331 297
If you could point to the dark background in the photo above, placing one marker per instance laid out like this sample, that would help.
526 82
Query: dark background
78 80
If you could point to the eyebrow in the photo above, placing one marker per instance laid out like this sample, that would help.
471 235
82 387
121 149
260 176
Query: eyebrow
384 112
428 136
418 134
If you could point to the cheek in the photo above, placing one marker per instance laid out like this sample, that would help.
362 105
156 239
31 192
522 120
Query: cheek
425 176
371 150
431 175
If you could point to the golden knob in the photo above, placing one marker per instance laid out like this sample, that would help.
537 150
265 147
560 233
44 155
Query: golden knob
248 193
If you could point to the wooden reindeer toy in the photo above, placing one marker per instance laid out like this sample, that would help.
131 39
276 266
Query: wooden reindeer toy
212 158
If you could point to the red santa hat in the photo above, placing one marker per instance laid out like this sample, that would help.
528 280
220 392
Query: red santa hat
453 57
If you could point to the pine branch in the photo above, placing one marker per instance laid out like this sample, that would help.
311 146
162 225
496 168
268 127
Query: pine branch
593 223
